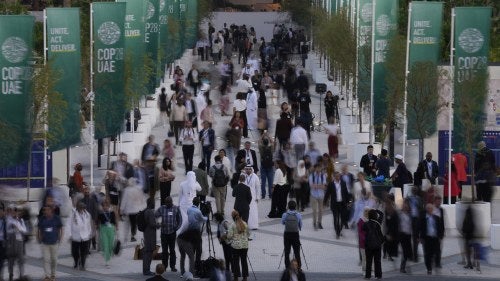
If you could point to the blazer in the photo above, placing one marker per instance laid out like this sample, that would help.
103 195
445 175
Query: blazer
242 197
242 155
365 162
332 194
211 137
423 226
434 171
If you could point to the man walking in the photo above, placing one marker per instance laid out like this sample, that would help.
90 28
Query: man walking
207 140
171 221
220 177
299 140
242 198
337 190
431 231
50 233
292 220
188 138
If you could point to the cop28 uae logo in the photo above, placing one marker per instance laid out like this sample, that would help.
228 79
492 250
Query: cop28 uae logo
162 5
383 25
109 33
471 40
14 49
150 10
367 12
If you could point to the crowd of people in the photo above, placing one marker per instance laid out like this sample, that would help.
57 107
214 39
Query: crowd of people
285 167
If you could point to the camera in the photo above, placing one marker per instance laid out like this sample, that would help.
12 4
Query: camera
206 208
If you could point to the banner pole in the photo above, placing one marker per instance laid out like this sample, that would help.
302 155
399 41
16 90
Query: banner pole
450 117
91 93
372 129
45 126
407 71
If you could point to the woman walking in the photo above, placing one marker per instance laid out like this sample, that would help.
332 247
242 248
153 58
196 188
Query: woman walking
81 232
166 177
108 226
238 236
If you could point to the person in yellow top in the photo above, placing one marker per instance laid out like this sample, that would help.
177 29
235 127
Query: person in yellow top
238 237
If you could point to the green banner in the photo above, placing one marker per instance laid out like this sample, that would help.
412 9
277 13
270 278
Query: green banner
172 31
108 22
64 56
365 17
472 46
151 39
424 48
134 48
385 16
182 31
16 41
191 23
164 38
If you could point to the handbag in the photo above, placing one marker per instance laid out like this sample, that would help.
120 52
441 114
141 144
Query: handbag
117 248
170 133
139 250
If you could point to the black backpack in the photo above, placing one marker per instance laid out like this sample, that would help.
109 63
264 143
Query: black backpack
141 221
220 179
291 223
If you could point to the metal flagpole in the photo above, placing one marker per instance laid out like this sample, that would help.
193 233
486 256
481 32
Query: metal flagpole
356 75
407 71
372 129
45 125
91 98
450 118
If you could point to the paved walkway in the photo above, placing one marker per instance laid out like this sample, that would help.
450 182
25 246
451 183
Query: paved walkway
324 257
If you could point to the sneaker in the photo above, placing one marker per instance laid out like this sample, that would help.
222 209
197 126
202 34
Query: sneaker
320 226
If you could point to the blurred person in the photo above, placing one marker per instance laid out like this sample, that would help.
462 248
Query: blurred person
220 177
166 176
439 212
283 128
292 220
220 272
331 107
122 166
207 141
266 166
207 114
373 245
202 179
163 105
240 105
133 201
301 184
170 221
468 229
368 162
362 237
233 136
149 237
348 178
242 198
77 179
108 226
168 151
338 195
225 159
279 191
253 182
149 155
485 170
383 164
222 230
3 239
113 186
313 153
391 229
187 193
416 209
238 236
453 185
159 270
50 235
363 197
190 108
193 78
14 247
318 184
81 224
188 139
405 231
431 230
293 272
251 110
179 117
299 140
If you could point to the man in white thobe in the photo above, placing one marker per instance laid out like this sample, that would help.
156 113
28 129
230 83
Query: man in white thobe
253 182
252 106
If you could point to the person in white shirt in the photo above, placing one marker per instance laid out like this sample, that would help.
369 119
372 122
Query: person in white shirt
187 193
81 231
16 229
253 181
188 138
299 140
252 106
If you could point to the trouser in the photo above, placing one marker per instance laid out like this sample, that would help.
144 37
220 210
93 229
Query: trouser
147 257
228 254
188 152
302 194
133 224
2 257
165 188
375 255
243 115
201 53
278 203
405 240
317 208
299 151
362 255
207 154
484 192
220 198
178 125
431 244
79 251
244 214
49 252
414 237
337 217
437 261
186 248
291 240
240 255
19 257
107 239
266 174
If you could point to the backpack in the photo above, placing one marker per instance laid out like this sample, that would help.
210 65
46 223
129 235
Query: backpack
141 221
267 157
219 179
291 223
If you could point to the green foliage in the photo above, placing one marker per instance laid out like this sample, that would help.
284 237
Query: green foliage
9 142
300 11
12 8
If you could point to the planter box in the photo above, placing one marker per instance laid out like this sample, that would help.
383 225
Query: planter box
449 216
495 236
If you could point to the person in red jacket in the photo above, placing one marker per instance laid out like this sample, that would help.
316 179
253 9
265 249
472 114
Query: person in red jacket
455 189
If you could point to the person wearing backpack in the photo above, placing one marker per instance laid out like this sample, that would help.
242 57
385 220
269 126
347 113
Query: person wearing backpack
373 244
220 177
292 220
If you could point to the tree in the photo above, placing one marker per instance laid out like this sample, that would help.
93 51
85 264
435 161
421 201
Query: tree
423 102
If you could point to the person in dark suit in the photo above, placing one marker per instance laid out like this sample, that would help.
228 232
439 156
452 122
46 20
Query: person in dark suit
430 168
242 198
431 231
246 156
149 237
368 162
337 192
207 141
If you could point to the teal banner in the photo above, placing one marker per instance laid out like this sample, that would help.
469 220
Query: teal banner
191 23
16 41
182 30
151 39
134 49
385 16
365 18
472 46
108 31
164 38
64 56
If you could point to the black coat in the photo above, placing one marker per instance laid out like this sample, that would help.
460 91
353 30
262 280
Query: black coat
331 194
423 226
435 171
242 197
365 164
241 155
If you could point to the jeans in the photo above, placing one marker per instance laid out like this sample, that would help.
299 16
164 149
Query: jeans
186 248
188 152
266 174
431 245
240 255
207 154
291 240
49 253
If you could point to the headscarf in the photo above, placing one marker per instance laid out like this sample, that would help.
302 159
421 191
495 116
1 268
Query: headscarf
301 171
